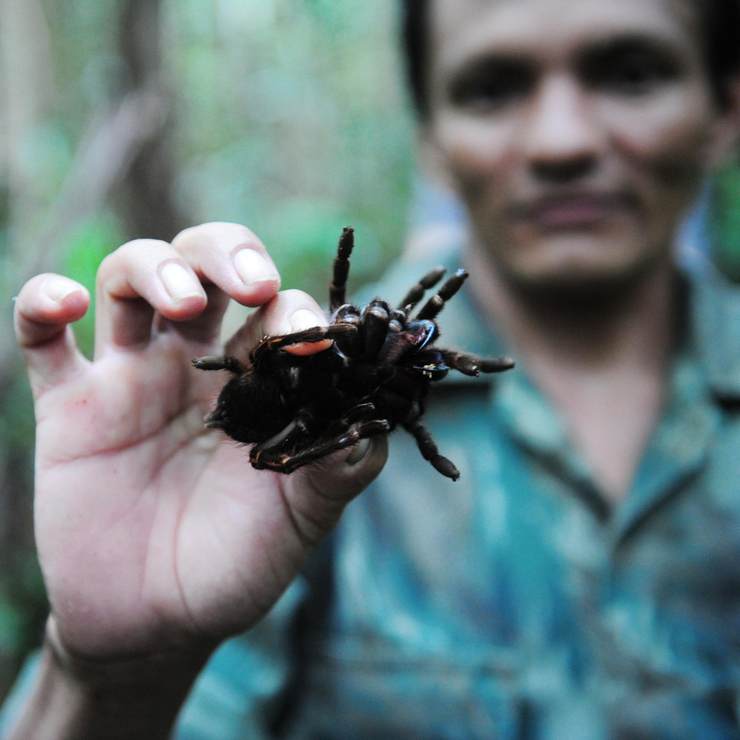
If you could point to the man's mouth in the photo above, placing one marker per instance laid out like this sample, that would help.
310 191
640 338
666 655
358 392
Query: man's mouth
572 210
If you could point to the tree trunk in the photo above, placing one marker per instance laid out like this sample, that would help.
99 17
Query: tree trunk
146 198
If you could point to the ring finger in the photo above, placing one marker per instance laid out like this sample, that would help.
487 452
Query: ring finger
139 278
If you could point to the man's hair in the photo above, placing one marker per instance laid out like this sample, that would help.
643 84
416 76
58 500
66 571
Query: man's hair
720 35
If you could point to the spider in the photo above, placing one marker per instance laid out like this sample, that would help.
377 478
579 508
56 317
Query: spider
375 375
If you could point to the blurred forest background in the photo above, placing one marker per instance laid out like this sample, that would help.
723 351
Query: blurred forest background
129 118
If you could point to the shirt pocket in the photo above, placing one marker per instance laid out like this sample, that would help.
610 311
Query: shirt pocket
360 687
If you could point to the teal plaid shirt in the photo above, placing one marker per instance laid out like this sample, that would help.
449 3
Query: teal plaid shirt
515 603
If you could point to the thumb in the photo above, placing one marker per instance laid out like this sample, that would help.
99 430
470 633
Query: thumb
318 493
344 474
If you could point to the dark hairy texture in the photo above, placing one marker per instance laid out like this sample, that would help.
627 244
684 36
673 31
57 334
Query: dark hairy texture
374 377
719 24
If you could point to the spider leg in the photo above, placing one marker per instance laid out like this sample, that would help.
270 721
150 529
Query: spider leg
345 313
348 343
435 304
314 334
375 319
284 462
472 365
362 411
338 285
416 293
411 339
395 346
429 450
295 431
219 362
398 320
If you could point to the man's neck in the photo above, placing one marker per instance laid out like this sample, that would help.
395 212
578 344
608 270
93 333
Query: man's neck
601 360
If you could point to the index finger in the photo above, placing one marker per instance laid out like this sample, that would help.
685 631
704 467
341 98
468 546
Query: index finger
233 263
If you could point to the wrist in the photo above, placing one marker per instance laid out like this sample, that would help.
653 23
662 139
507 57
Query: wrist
133 697
134 674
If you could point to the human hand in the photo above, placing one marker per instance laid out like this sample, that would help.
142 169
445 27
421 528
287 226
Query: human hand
154 533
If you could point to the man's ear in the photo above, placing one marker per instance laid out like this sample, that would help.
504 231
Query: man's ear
725 135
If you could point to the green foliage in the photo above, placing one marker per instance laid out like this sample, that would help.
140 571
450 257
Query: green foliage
22 600
85 249
308 114
10 625
308 237
725 220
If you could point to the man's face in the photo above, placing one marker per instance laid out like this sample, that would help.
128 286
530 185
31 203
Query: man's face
576 131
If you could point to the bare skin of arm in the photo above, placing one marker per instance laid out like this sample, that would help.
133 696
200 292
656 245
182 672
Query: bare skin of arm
156 537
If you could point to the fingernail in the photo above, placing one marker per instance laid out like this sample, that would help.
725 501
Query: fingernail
58 288
358 452
253 267
305 319
179 283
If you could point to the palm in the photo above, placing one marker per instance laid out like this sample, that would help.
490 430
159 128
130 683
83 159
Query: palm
154 533
145 518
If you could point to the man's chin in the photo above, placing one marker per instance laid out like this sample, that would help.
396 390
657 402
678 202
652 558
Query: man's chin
586 285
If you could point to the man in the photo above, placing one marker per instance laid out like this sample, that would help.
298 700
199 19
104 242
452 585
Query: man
579 580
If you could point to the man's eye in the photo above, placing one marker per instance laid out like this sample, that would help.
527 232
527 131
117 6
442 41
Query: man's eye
489 89
631 74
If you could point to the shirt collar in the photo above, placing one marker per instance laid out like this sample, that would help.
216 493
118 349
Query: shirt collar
714 316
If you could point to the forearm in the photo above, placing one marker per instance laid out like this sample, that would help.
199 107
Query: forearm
134 698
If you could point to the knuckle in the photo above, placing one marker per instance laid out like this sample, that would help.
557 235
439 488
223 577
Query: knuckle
186 236
131 255
110 265
36 293
136 246
31 289
216 235
298 298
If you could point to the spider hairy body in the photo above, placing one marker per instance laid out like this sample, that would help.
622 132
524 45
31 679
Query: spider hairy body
375 376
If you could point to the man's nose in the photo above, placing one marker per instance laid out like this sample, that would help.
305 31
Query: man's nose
562 139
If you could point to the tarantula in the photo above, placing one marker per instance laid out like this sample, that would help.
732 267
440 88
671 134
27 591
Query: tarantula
374 376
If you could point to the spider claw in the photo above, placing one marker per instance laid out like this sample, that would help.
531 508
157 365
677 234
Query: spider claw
468 366
433 277
341 268
218 362
416 293
473 366
341 329
445 466
435 304
496 364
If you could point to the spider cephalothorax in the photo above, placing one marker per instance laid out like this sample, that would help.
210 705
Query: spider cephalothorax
374 376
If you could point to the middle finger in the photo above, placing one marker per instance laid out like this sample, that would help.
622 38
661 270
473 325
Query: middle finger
235 262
